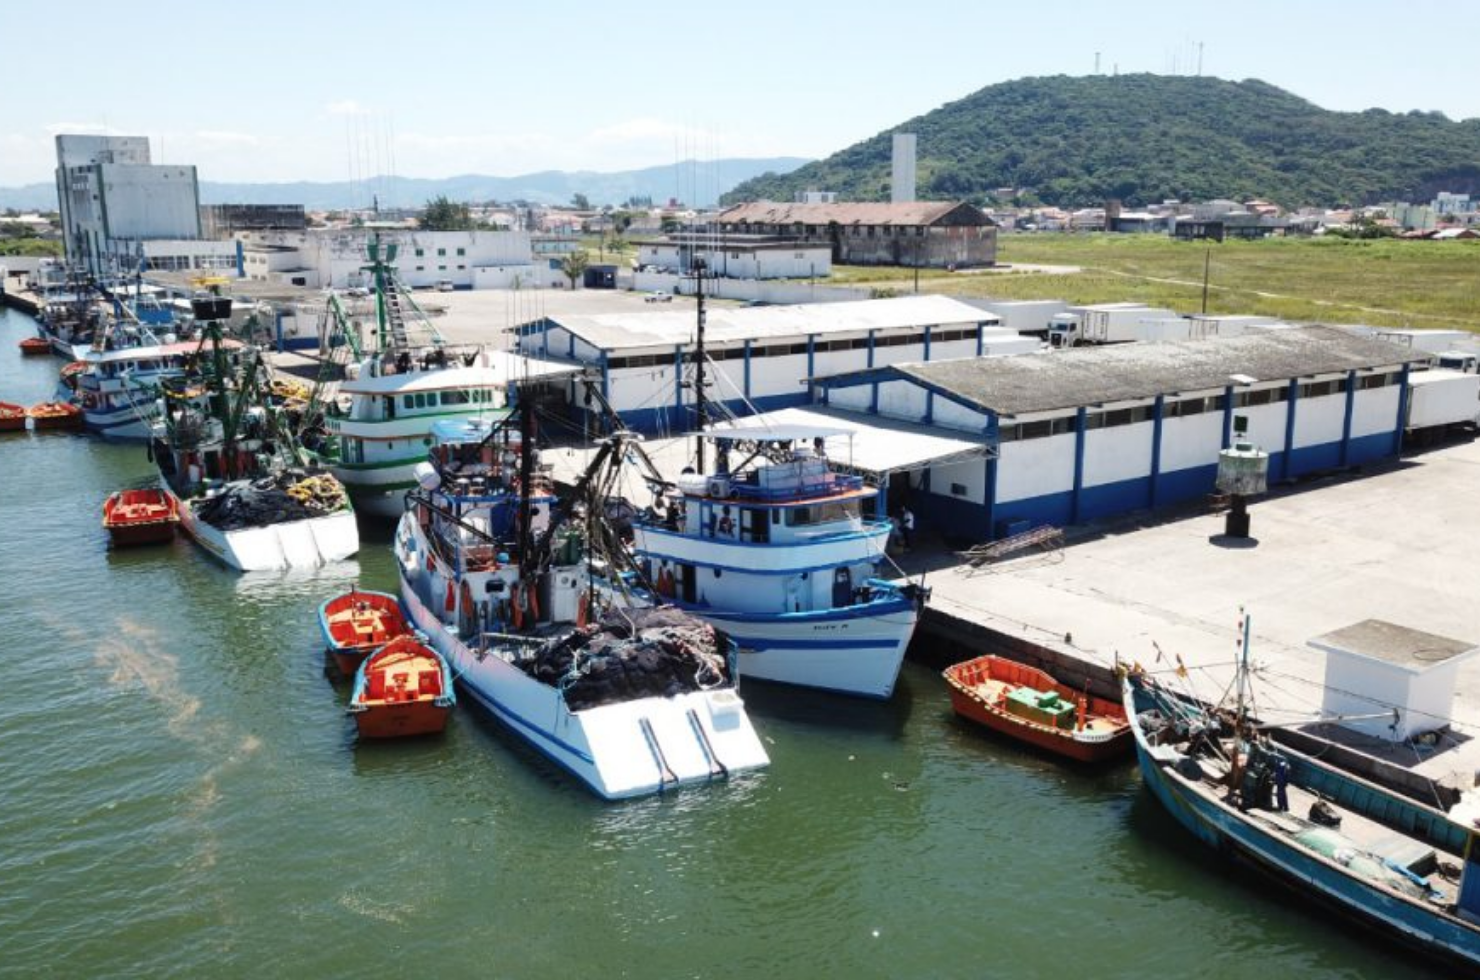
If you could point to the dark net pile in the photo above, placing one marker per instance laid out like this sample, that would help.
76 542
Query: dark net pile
638 653
272 500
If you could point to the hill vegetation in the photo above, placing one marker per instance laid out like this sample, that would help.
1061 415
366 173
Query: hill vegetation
1147 138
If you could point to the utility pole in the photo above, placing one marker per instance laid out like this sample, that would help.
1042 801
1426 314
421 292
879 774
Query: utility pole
1207 263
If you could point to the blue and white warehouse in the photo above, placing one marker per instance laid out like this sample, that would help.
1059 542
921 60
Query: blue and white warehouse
1092 432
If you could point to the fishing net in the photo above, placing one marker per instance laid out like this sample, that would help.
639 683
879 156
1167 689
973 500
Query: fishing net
631 654
290 496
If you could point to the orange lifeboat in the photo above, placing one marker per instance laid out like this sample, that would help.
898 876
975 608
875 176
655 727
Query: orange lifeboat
32 346
55 415
12 417
404 688
140 517
357 623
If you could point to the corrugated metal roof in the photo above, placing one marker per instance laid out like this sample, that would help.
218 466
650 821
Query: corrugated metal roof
851 213
873 445
1056 380
619 331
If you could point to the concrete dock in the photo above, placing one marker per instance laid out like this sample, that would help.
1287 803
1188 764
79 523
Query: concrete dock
1400 544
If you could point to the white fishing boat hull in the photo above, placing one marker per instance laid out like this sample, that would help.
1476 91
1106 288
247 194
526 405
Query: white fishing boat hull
619 751
125 424
847 651
309 543
379 493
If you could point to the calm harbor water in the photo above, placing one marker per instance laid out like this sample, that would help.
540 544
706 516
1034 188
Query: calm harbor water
183 796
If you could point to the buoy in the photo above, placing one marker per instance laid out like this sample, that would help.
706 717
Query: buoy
583 610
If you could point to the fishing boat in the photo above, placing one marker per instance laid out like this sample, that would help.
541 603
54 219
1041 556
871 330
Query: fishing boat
133 517
404 688
357 623
376 430
67 377
228 454
54 415
12 417
1028 704
782 553
120 385
528 603
32 346
1387 861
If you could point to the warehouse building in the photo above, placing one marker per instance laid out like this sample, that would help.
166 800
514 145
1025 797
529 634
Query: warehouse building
1094 432
758 358
918 234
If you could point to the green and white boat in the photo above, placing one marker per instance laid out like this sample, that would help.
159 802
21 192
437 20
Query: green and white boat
379 425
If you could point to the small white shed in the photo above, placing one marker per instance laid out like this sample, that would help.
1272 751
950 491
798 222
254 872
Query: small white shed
1374 664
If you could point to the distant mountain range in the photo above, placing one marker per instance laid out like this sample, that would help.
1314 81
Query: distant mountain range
1147 138
695 182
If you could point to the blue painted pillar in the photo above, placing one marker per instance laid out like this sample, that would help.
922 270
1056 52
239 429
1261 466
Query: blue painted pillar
1080 430
811 360
881 502
1291 394
870 348
929 407
1346 421
747 370
981 328
1402 421
1228 416
927 343
571 351
606 375
1158 413
241 260
991 528
678 384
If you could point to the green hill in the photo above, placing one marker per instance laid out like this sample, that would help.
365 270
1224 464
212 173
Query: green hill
1148 138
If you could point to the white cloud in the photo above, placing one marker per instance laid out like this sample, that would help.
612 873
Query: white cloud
345 107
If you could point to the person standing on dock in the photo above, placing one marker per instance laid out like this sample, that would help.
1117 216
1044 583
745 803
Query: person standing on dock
907 527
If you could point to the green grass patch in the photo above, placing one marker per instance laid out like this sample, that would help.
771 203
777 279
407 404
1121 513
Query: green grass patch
1380 282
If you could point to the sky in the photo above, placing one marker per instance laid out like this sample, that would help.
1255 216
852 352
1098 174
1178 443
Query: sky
272 91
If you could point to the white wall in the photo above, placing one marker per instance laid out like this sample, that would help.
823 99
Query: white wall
1122 452
1375 410
972 474
1034 467
902 400
1190 441
150 202
1319 420
778 292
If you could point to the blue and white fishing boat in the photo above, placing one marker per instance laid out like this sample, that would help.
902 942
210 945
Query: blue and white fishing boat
1372 854
510 590
782 553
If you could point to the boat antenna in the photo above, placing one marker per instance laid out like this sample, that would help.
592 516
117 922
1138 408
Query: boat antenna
701 403
526 482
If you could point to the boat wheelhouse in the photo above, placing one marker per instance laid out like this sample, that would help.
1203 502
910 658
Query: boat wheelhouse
782 551
119 388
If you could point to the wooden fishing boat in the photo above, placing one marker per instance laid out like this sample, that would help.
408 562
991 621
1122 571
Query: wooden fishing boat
1028 704
140 517
12 417
33 346
55 415
404 688
1389 862
357 623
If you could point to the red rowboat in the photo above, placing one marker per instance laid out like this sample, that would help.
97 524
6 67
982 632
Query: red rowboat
1029 705
55 415
404 688
12 417
140 517
35 345
357 623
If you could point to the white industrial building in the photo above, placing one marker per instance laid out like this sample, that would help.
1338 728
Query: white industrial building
759 358
320 258
738 256
112 199
1092 432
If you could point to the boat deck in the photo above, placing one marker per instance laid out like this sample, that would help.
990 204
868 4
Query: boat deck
1366 834
994 692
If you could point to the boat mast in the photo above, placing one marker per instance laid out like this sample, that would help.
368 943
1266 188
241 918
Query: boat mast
382 317
526 483
701 403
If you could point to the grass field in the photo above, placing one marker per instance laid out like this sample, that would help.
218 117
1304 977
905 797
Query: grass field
1380 282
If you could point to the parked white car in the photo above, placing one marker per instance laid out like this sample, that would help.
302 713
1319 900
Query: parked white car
658 296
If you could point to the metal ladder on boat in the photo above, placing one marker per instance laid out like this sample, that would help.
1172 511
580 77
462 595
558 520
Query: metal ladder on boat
665 773
716 767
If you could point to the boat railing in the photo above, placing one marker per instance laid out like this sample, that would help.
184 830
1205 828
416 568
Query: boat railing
825 485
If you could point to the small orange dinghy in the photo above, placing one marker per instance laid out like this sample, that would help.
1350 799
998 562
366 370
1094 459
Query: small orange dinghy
140 517
357 623
12 417
33 346
55 415
404 688
1028 704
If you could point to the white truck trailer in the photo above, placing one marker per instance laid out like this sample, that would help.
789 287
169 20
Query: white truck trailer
1439 400
1026 316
